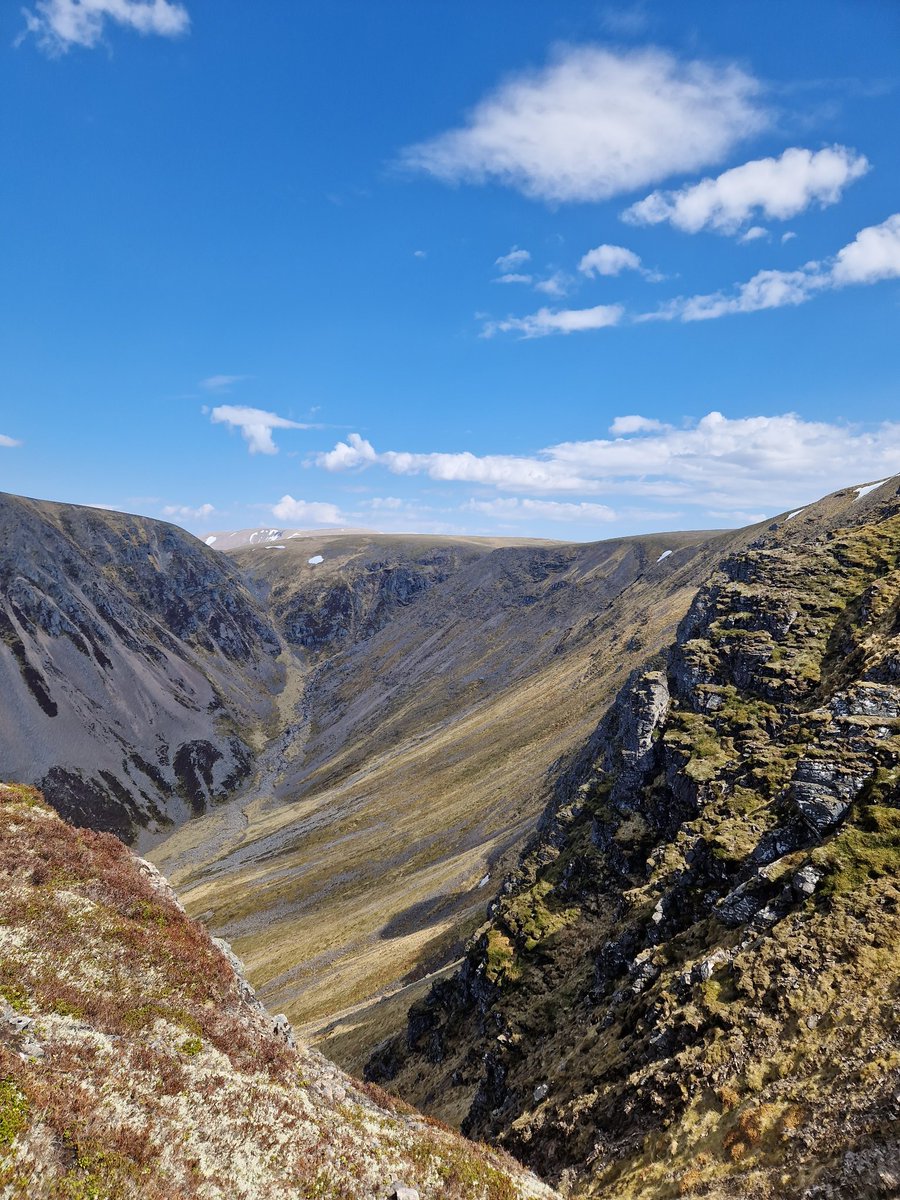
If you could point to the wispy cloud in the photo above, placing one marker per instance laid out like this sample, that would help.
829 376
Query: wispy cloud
184 512
512 260
557 284
547 321
9 441
526 509
776 188
60 24
255 425
307 512
597 122
512 277
872 256
717 463
221 383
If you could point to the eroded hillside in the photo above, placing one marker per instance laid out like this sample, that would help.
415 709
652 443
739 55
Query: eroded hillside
689 986
441 678
137 1064
137 671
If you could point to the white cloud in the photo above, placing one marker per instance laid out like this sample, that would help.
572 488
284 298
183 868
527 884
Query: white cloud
597 122
541 510
873 255
306 512
60 24
788 236
608 260
556 284
515 258
622 426
767 289
355 452
777 188
718 463
512 277
186 513
221 383
8 441
547 321
255 425
420 253
753 234
385 503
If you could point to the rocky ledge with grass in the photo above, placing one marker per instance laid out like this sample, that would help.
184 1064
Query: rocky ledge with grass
136 1061
690 985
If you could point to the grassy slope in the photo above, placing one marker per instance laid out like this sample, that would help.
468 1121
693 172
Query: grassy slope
679 1053
135 1064
422 767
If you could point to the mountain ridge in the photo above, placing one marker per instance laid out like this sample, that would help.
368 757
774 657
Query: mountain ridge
709 904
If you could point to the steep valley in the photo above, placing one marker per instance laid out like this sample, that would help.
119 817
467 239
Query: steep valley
588 850
440 682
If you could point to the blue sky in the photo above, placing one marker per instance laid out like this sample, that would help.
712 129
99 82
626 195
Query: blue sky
568 270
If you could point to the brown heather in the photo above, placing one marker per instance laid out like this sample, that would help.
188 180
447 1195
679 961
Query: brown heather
147 1068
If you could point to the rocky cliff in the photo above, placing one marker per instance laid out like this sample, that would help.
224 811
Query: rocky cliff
137 670
689 985
137 1064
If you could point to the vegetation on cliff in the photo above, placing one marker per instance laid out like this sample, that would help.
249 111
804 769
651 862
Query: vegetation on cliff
689 986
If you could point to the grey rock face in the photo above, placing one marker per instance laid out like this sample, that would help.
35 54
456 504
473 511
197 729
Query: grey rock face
133 661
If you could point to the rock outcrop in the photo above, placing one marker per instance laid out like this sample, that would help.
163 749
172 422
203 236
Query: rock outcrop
136 667
688 987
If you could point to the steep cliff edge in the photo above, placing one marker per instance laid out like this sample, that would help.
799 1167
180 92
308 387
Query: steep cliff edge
137 671
137 1064
689 986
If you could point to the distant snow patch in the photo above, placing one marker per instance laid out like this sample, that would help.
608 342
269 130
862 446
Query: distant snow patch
315 560
795 513
274 547
870 487
210 541
665 554
484 881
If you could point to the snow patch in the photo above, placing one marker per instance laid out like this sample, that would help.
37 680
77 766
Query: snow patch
210 541
275 547
795 513
315 560
869 487
665 554
484 881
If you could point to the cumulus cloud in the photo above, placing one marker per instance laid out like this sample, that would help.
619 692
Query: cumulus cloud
513 277
60 24
608 260
186 513
255 425
355 452
541 510
754 233
597 122
777 188
514 259
306 512
623 426
547 321
873 255
717 463
9 441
